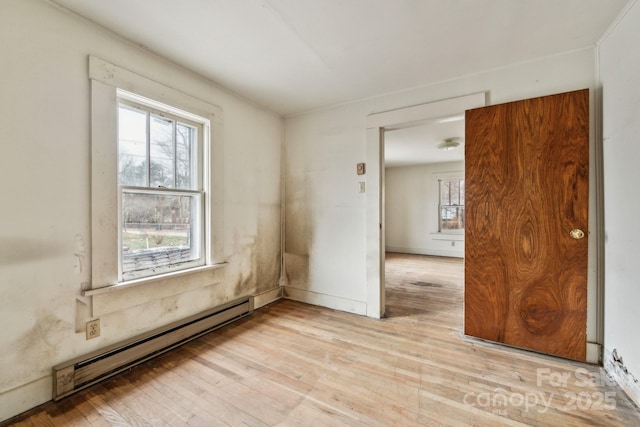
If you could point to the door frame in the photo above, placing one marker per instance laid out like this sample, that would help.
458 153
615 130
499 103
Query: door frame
400 118
377 124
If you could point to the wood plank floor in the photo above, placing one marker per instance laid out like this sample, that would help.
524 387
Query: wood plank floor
293 364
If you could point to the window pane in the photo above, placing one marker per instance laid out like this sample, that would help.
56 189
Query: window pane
454 193
186 137
452 218
161 152
132 146
444 192
451 205
159 232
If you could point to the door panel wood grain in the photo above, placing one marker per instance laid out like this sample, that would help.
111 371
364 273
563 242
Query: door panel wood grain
527 188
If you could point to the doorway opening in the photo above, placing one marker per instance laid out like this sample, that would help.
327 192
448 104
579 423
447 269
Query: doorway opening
379 128
424 201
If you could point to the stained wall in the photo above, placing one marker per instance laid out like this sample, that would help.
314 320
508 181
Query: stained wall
325 212
45 227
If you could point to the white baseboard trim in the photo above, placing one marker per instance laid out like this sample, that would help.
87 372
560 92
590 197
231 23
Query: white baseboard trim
329 301
422 251
267 297
615 367
18 400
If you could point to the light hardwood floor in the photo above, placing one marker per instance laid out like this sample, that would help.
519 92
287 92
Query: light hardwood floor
298 365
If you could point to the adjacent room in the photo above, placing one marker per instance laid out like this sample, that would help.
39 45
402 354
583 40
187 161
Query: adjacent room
298 212
424 217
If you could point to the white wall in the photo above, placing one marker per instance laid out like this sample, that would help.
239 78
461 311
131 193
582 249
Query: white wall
325 215
324 212
411 210
620 79
45 239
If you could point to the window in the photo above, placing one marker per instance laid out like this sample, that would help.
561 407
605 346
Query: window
157 190
161 193
451 206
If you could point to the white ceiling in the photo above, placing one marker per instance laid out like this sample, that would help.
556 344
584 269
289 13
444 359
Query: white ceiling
419 144
297 55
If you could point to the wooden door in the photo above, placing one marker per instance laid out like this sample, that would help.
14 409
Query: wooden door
527 188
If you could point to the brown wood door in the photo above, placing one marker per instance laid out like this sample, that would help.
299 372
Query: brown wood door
527 188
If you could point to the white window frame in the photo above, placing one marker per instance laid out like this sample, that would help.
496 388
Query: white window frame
106 79
153 107
440 177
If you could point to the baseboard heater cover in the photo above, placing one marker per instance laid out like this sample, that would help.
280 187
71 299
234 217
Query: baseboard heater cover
89 369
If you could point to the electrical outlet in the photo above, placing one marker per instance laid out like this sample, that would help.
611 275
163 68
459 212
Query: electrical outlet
93 328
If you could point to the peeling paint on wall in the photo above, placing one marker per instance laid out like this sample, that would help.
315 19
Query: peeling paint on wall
615 367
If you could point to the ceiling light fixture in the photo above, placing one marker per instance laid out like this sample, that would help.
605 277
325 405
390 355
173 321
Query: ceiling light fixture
450 144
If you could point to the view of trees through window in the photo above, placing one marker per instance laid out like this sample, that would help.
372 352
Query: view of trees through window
155 220
160 197
169 156
451 207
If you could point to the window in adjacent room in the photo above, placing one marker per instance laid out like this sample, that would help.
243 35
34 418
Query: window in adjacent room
161 191
451 206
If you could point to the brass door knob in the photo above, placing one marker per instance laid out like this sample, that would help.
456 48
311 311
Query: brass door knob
576 233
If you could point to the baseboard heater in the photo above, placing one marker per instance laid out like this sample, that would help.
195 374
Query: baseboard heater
89 369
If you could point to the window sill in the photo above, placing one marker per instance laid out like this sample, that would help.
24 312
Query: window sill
111 298
447 236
